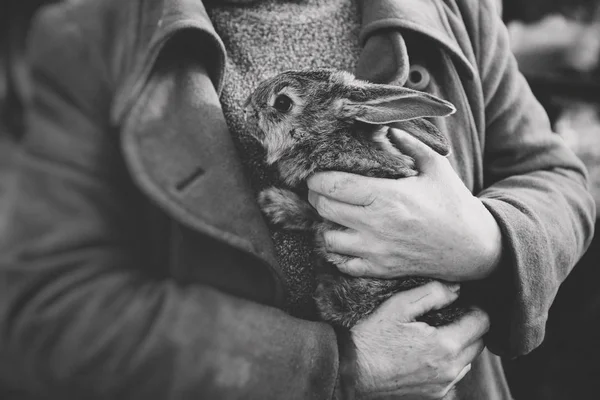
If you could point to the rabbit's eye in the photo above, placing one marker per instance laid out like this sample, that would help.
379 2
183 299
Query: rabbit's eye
283 103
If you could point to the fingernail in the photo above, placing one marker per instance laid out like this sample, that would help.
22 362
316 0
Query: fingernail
455 287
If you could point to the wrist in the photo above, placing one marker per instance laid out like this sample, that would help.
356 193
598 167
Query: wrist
490 244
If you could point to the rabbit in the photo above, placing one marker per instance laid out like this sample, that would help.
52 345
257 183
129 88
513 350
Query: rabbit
327 120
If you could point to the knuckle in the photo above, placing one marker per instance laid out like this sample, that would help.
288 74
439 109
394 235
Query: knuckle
449 348
339 184
322 206
387 226
378 253
481 319
453 348
343 267
428 331
388 263
371 201
330 240
439 289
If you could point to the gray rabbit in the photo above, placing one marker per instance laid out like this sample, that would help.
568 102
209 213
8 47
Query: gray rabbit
327 120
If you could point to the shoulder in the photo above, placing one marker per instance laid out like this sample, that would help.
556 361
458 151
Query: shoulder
482 20
476 10
84 46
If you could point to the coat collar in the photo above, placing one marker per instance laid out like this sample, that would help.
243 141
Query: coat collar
431 18
175 139
160 21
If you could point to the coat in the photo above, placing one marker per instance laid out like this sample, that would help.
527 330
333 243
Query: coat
134 262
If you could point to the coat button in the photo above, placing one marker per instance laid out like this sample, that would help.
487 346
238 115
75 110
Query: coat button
418 77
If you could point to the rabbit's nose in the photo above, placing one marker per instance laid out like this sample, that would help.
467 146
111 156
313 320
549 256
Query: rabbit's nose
250 113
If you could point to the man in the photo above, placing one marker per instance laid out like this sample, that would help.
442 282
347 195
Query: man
135 263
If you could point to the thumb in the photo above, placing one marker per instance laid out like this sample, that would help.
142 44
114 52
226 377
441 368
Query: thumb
412 304
423 155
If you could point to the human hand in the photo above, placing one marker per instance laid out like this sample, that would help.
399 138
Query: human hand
400 358
426 225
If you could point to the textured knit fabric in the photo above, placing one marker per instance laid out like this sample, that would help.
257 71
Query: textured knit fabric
262 40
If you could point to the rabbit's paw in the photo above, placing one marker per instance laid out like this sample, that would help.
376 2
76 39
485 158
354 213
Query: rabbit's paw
286 209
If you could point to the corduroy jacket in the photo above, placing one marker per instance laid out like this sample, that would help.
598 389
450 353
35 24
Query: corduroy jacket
134 262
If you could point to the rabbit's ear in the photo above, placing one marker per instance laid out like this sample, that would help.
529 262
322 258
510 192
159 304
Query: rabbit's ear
384 104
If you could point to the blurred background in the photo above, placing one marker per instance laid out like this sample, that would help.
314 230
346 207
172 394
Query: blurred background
557 45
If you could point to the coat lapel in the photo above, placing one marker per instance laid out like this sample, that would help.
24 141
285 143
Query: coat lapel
176 141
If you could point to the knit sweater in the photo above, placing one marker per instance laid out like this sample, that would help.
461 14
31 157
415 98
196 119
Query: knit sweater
263 39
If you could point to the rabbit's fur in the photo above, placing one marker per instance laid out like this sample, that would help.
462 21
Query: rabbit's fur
338 123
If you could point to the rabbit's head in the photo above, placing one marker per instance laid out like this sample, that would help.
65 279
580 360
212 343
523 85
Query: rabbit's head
294 107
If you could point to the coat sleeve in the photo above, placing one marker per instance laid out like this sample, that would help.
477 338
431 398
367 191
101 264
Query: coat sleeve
535 187
81 315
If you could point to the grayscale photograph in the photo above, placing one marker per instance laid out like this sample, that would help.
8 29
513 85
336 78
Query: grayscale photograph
299 199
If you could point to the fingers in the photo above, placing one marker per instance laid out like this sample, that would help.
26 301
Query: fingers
468 329
423 155
461 351
352 243
348 215
349 243
344 187
413 303
362 267
359 267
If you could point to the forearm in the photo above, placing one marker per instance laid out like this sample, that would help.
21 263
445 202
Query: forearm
546 223
83 330
536 190
81 315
